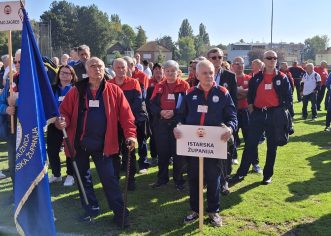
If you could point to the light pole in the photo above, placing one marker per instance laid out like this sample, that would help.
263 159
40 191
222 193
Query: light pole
272 19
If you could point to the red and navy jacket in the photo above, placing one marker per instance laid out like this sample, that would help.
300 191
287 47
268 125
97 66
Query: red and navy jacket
289 76
132 92
143 80
280 83
116 108
179 91
152 83
192 81
220 108
297 71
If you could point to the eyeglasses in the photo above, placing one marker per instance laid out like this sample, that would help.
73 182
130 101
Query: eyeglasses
238 63
216 57
65 73
17 62
271 58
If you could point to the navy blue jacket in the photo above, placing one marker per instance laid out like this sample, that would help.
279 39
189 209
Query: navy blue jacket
221 108
281 84
228 80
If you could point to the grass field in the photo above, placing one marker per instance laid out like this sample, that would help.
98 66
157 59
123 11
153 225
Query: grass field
298 202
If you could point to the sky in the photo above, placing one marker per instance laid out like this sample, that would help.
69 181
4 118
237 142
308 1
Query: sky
226 21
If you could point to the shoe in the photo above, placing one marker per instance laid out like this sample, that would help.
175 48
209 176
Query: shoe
215 219
143 171
327 129
89 217
157 184
54 179
235 162
193 216
180 187
257 169
2 175
131 186
236 179
225 191
262 141
266 181
153 162
69 181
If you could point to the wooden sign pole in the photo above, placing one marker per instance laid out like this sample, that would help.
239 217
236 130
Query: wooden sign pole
10 52
200 193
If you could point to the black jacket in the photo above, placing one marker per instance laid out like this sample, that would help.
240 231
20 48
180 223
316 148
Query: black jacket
228 80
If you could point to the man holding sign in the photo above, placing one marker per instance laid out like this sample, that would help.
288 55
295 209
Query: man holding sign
207 104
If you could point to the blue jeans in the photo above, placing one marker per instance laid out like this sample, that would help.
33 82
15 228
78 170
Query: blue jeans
109 181
260 121
305 99
212 174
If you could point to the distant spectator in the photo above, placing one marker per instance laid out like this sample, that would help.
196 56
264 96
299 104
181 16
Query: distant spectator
64 59
74 58
297 73
56 61
138 65
147 70
323 72
84 54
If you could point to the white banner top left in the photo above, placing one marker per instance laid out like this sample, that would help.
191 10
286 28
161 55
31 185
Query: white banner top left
10 16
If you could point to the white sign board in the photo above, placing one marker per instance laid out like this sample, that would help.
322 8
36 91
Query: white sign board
201 141
10 16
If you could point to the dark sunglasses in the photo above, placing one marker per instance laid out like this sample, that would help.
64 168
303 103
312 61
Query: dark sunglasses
215 57
270 58
15 62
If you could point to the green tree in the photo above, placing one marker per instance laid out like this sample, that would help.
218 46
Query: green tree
62 17
222 46
314 45
201 41
203 34
117 54
185 30
141 37
94 30
115 27
127 36
186 48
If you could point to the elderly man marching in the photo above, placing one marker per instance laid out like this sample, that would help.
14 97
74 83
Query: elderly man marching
269 93
91 111
207 104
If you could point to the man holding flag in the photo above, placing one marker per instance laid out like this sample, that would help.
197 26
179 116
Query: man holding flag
33 211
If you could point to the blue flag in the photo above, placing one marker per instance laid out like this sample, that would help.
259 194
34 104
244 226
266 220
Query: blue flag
36 104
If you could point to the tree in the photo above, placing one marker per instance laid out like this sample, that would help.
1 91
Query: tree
115 27
222 46
141 37
186 48
314 45
166 41
185 30
203 34
93 30
201 41
62 17
127 36
241 41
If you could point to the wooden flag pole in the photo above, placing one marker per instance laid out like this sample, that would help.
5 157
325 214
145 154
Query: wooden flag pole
200 193
10 52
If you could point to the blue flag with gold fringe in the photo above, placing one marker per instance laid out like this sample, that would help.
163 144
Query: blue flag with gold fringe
36 104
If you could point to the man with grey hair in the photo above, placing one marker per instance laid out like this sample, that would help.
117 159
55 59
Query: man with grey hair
91 112
269 93
84 54
311 83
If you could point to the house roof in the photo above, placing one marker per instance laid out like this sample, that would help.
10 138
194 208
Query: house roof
118 47
152 46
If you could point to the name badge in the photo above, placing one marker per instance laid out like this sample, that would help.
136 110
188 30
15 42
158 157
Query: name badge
268 86
93 103
61 98
84 76
202 109
171 96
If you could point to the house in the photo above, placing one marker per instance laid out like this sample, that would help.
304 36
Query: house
152 50
117 49
323 56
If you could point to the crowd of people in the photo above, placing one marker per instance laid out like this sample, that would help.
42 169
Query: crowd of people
110 112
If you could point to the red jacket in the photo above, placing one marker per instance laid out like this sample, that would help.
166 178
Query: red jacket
323 72
117 109
142 78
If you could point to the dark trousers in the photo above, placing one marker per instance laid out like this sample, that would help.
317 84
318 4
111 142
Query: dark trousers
320 96
327 99
152 145
297 85
305 99
142 144
124 152
260 121
54 143
110 183
166 148
328 115
212 175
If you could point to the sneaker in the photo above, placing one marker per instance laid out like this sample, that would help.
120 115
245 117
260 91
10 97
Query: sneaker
235 162
69 181
215 219
54 179
143 171
266 181
153 162
236 179
327 129
257 169
193 216
2 175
